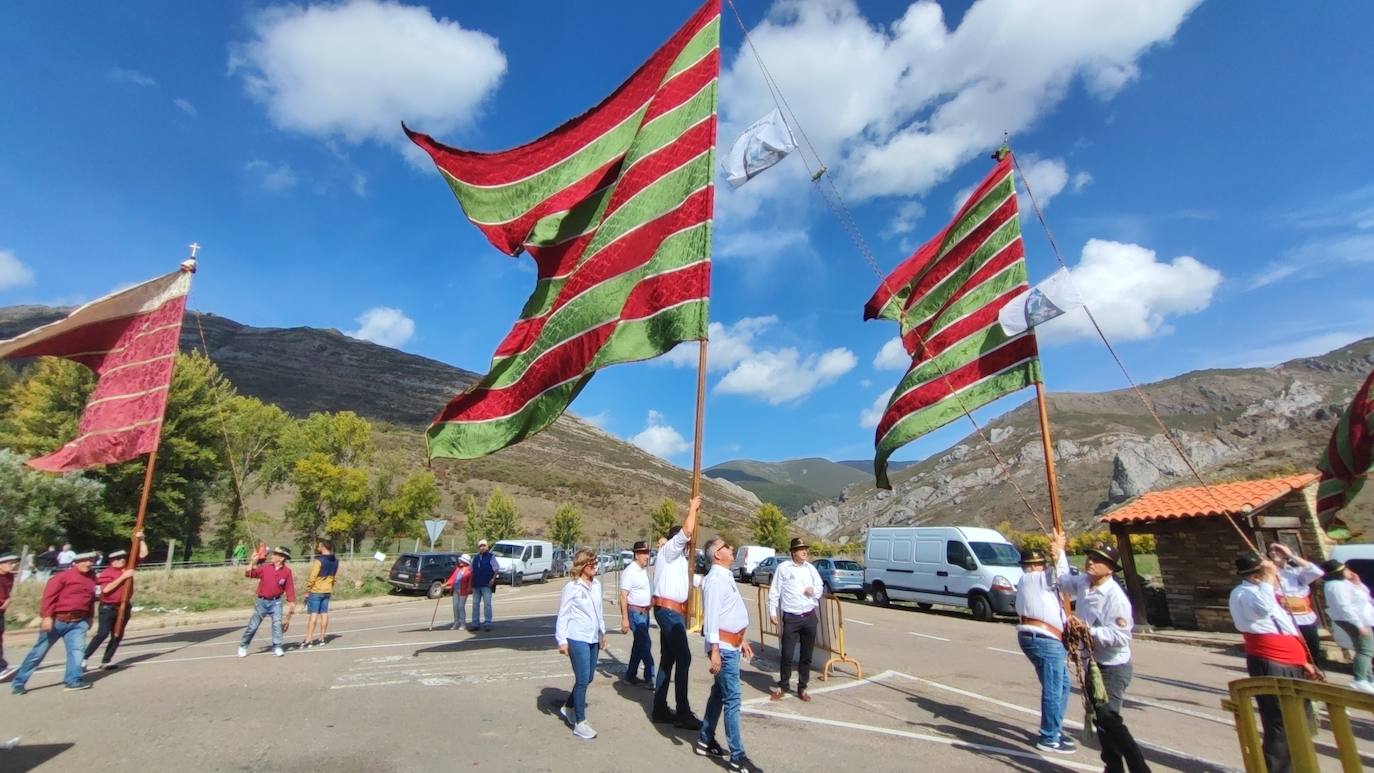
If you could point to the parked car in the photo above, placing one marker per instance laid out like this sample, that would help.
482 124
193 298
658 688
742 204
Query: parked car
422 571
523 559
748 557
841 575
605 563
961 566
561 563
763 573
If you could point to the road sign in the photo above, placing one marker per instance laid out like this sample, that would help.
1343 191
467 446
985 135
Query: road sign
435 527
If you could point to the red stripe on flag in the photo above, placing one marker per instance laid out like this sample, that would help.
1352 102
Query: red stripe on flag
995 265
958 256
985 315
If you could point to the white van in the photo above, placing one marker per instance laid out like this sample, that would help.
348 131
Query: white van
962 566
523 559
748 557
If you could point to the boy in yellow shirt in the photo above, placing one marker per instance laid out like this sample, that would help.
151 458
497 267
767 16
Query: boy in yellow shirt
318 586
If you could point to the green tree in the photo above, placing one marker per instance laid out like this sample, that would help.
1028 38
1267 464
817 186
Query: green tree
415 500
37 509
44 406
770 527
663 518
253 431
330 499
500 519
566 528
472 523
344 438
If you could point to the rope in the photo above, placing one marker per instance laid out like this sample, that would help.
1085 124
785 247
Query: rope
835 202
219 412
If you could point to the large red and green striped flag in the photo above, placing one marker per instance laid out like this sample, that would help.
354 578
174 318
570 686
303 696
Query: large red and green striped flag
615 208
946 297
1349 456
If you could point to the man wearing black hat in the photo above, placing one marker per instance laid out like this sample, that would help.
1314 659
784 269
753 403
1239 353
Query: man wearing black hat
274 581
9 562
794 596
1041 637
636 598
116 588
65 613
1273 646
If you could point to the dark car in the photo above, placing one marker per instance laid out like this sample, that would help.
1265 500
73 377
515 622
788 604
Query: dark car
841 575
763 573
422 571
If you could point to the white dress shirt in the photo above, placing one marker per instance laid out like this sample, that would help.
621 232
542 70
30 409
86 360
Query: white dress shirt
1106 610
788 588
634 581
1255 609
1295 582
1036 598
672 577
579 613
1349 602
722 607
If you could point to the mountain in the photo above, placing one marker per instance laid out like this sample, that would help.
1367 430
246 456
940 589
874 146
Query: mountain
1233 423
791 485
866 465
304 369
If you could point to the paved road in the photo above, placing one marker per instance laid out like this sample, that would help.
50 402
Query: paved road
388 695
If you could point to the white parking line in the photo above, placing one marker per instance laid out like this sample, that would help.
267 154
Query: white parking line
928 636
334 648
860 622
1009 652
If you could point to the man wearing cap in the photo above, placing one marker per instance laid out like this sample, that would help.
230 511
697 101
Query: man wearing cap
484 572
672 584
9 563
635 600
116 587
65 613
794 595
1273 646
1348 605
725 624
1103 613
319 586
1296 576
274 581
1041 636
460 582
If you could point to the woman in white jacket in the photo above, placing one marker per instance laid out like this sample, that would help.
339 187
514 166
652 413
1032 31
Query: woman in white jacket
1348 605
581 635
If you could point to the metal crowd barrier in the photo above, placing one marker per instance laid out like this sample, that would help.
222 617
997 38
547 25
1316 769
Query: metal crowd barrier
829 633
1292 695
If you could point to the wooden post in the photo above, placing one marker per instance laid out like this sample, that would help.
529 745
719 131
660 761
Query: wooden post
1051 479
1135 587
171 553
122 614
696 472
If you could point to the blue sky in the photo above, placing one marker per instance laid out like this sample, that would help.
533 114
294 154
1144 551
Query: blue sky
1205 166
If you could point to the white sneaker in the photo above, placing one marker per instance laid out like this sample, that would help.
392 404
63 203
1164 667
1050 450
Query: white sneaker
277 651
563 712
305 645
584 731
1363 686
83 665
8 673
243 652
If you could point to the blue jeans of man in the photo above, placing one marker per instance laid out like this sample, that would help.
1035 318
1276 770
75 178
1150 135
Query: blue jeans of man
725 697
675 655
583 655
642 649
264 608
481 594
460 610
1047 654
73 636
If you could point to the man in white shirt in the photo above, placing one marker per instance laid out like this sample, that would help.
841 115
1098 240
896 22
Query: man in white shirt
1296 575
1348 605
64 559
725 624
794 596
672 584
1041 636
635 601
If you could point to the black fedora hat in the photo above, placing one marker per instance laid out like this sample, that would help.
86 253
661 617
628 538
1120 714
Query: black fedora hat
1332 569
797 544
1032 556
641 546
1248 563
1105 553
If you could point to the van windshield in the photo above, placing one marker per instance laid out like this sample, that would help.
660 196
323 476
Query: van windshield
505 550
996 553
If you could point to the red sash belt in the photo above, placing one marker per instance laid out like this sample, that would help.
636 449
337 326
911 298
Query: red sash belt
1279 647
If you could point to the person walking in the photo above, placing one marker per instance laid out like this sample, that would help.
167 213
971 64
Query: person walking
274 581
1273 647
636 599
725 624
1296 575
484 572
672 584
1103 614
1348 605
319 586
581 635
64 613
116 589
794 597
9 564
240 554
460 582
1041 637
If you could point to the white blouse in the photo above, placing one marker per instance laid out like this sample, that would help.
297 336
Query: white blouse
580 615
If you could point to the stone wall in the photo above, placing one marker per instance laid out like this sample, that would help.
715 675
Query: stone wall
1197 562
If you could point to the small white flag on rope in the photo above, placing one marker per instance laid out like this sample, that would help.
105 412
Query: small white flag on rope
766 142
1054 296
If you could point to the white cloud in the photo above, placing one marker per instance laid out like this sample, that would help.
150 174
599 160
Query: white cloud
185 106
1045 177
729 344
384 325
761 244
865 383
598 420
660 439
870 416
1344 223
905 220
133 77
354 71
1309 346
272 177
1132 293
784 375
892 356
13 272
1080 181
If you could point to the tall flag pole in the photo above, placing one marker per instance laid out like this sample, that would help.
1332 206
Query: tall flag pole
1349 458
615 208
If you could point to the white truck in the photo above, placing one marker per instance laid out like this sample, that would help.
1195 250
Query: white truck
964 566
523 559
747 558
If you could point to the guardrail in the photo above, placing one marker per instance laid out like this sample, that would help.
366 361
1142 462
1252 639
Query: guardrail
829 633
1292 695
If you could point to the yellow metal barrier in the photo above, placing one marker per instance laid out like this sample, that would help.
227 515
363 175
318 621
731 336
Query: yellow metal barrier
1292 694
829 633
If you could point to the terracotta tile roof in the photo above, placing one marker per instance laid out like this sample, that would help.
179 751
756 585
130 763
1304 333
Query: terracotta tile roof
1196 502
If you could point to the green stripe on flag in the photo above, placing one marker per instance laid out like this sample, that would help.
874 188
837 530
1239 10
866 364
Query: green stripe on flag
701 44
939 295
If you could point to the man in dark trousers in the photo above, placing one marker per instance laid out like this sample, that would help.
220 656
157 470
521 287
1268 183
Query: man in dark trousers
274 581
794 598
9 563
484 571
672 585
116 588
65 613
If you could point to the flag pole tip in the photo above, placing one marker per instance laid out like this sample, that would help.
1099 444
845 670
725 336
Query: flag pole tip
1002 152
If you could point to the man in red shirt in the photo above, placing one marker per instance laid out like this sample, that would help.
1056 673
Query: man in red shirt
65 613
9 562
274 581
116 588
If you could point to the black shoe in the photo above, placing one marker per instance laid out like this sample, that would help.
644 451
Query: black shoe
687 721
745 765
109 666
663 715
633 680
708 748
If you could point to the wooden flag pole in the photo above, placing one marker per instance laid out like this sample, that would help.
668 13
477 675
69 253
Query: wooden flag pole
1050 477
122 616
696 474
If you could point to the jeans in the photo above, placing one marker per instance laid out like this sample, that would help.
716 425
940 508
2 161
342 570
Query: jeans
583 655
317 603
675 655
460 610
1120 752
1051 667
481 594
797 628
1364 650
642 649
108 613
264 608
73 636
1271 716
725 694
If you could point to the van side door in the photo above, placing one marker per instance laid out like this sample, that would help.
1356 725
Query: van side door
961 579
